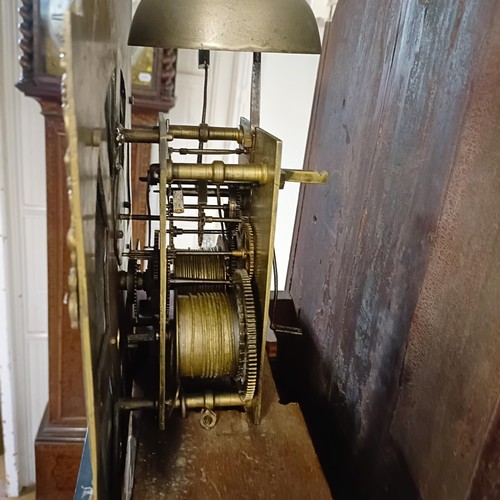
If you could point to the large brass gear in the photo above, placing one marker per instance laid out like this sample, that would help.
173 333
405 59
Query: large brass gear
246 376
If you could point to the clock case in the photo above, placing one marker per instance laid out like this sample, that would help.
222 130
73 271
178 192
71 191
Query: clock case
35 82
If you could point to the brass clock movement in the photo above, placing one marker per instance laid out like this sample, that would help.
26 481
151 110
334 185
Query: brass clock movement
172 331
173 336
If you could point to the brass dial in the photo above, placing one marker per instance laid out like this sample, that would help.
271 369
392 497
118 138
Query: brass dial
142 60
52 14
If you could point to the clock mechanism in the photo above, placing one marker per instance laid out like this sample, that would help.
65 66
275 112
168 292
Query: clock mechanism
182 324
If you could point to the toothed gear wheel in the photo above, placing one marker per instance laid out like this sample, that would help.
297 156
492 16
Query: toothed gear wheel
239 201
233 261
170 262
247 243
246 376
132 278
156 261
234 203
135 309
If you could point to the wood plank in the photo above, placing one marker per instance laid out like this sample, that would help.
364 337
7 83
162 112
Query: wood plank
392 123
235 459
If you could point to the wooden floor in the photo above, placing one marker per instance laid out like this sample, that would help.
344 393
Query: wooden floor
235 459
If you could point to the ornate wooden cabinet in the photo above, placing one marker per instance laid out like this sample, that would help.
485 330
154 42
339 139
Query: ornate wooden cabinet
60 437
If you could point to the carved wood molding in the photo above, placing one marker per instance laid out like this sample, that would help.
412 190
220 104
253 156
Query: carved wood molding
26 39
33 82
168 74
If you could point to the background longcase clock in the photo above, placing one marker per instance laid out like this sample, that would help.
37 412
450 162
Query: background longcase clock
42 28
62 430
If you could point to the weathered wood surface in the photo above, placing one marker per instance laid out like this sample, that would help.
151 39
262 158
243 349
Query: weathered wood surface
235 459
448 418
406 121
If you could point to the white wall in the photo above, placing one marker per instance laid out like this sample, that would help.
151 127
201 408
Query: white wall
23 268
287 92
288 82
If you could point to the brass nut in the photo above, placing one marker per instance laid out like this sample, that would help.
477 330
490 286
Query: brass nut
208 419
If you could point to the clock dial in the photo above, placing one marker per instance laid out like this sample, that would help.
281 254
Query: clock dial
52 14
142 60
142 65
42 40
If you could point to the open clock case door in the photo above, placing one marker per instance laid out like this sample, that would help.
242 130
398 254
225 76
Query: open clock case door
96 63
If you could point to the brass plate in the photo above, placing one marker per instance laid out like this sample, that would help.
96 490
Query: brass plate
263 208
96 61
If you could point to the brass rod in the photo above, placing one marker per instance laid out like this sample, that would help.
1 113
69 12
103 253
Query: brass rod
210 400
177 218
137 254
201 133
232 253
304 176
191 281
206 207
129 404
163 271
179 231
139 135
208 219
186 151
206 133
211 193
218 172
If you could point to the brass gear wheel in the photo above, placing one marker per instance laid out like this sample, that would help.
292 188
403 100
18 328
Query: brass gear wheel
246 376
234 203
170 263
132 285
247 243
